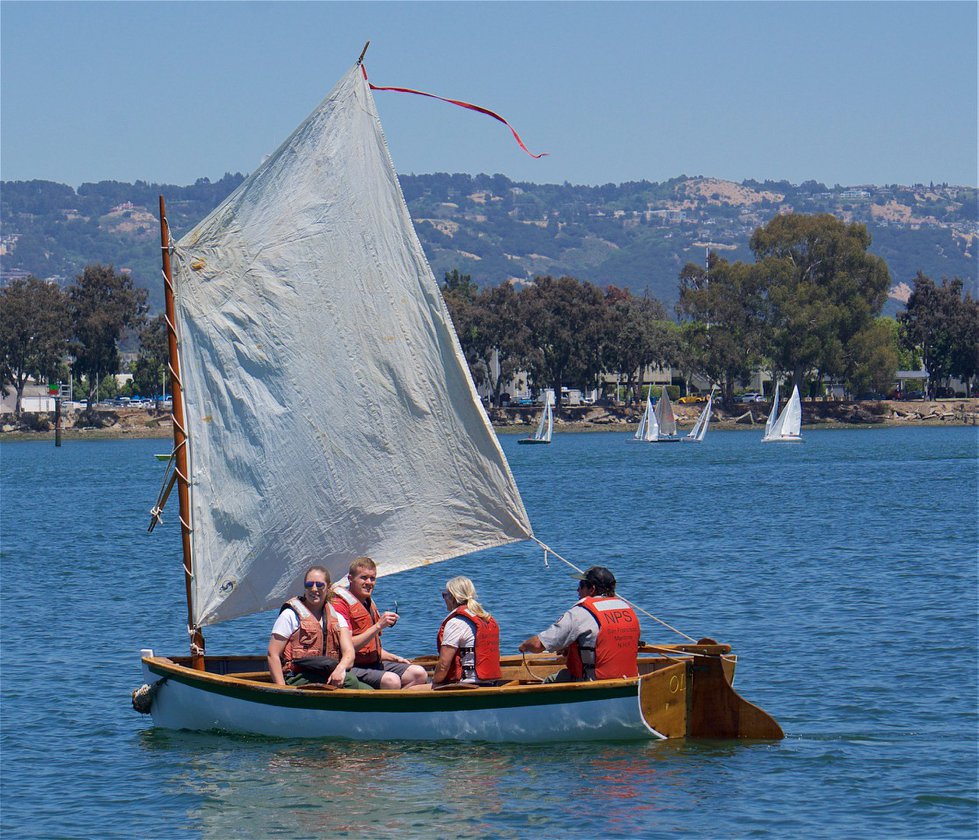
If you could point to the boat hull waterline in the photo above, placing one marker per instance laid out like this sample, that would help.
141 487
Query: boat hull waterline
657 705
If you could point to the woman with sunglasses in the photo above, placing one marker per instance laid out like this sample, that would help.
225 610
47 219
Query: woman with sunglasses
308 628
469 639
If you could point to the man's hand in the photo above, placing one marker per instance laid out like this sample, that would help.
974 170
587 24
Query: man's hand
531 645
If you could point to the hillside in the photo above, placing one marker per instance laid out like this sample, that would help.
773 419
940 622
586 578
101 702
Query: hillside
636 235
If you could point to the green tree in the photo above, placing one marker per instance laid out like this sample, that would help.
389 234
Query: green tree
874 354
944 326
103 304
638 335
459 293
823 289
507 335
564 319
34 331
150 370
725 308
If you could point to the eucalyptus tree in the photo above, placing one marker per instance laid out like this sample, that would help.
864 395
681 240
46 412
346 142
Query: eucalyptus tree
944 325
507 335
103 305
564 322
491 330
460 293
151 369
639 335
724 307
823 288
34 331
874 354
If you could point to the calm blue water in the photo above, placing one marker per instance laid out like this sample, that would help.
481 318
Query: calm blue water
844 572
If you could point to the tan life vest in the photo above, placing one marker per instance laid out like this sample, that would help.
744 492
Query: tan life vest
308 638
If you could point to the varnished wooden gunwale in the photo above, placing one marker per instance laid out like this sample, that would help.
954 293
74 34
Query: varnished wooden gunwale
683 695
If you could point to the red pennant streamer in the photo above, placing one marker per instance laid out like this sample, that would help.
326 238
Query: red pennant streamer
461 104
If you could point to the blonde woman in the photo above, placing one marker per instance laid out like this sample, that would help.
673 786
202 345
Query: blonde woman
469 639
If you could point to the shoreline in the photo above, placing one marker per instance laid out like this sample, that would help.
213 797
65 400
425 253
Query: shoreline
146 424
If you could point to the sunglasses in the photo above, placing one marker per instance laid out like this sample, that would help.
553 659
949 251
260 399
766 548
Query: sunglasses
445 593
309 584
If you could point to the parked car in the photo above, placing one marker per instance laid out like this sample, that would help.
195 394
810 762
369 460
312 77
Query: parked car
752 398
690 399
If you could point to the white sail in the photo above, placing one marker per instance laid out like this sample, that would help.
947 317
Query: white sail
664 415
545 428
648 430
788 425
699 430
772 414
329 408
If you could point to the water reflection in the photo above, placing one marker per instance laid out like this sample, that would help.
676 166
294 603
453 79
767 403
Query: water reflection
254 787
260 787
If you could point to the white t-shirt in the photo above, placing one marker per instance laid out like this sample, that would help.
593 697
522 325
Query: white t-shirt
459 634
288 622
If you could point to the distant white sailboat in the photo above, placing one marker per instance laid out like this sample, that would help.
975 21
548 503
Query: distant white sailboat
772 414
699 430
787 426
666 419
658 424
648 430
545 428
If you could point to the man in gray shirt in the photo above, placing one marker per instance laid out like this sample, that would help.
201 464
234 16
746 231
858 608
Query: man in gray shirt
600 633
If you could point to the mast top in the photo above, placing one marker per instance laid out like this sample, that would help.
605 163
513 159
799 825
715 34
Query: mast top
363 52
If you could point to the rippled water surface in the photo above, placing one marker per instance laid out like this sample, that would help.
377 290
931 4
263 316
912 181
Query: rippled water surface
843 570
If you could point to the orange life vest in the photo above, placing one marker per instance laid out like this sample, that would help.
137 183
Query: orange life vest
368 656
617 645
485 649
308 638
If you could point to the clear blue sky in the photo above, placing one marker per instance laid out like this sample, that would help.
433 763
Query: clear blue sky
841 92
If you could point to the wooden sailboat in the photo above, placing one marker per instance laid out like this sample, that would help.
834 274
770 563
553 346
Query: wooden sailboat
323 409
545 428
784 427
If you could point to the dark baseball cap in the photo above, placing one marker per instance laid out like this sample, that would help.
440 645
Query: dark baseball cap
597 576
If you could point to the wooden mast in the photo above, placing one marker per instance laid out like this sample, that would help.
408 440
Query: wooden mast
180 442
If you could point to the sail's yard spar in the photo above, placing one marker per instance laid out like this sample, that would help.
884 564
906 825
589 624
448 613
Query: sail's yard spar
301 433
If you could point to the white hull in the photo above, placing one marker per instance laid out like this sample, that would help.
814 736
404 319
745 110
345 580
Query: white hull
536 715
178 706
685 694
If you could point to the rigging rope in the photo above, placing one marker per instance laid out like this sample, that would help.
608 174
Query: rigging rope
549 550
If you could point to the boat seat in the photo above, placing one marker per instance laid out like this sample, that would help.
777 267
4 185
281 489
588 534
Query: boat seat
253 676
